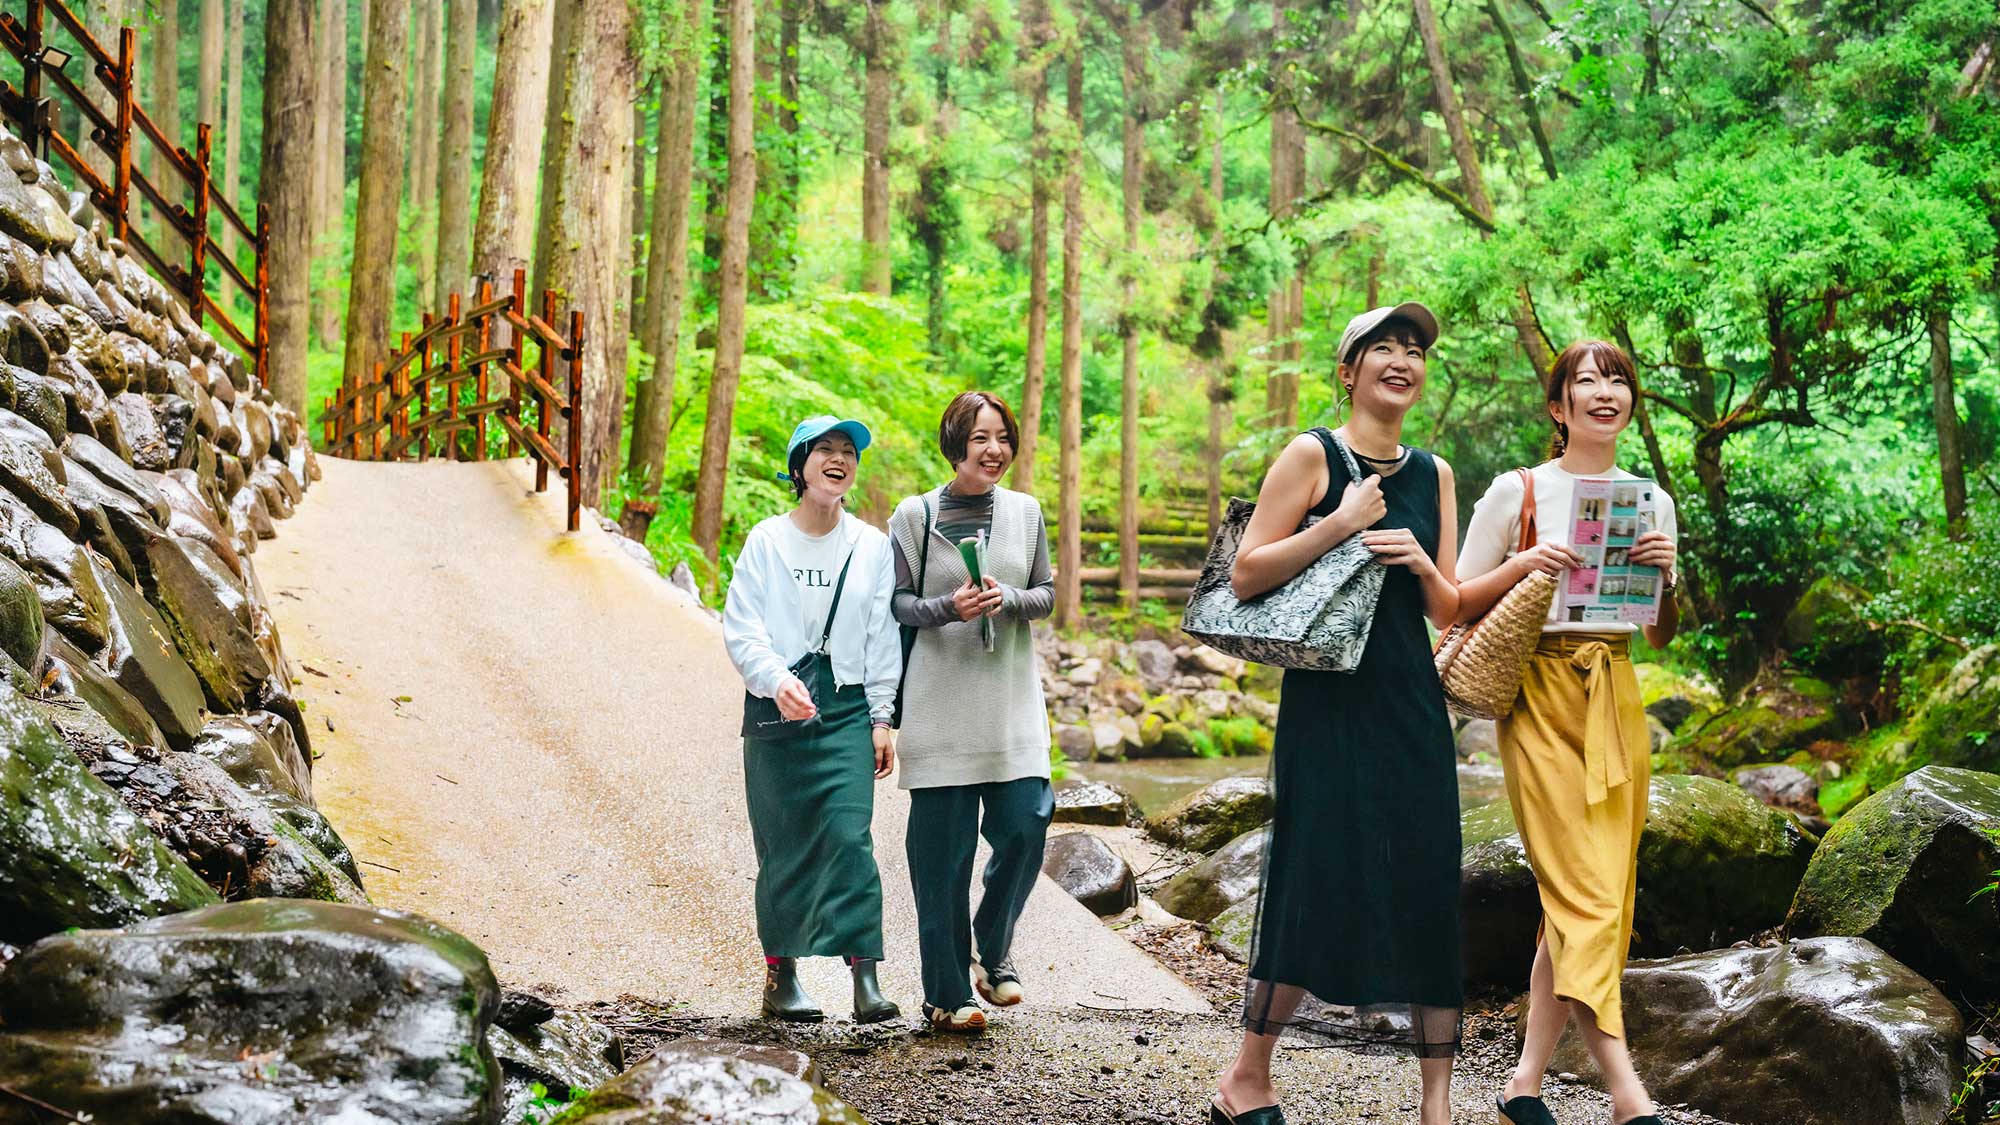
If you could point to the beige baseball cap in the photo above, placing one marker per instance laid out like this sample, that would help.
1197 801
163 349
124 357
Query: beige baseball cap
1362 325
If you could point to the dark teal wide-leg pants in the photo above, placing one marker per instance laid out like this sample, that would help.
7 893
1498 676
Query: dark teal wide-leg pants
944 829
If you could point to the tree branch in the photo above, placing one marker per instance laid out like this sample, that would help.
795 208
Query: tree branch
1765 13
1522 87
1400 166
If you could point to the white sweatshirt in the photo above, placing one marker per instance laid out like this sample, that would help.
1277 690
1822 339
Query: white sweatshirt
763 618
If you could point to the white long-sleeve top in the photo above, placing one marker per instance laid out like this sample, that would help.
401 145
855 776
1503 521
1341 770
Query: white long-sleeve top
764 626
1495 530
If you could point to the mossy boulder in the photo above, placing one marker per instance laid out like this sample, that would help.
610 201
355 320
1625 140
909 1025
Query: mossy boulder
1716 865
1776 715
21 622
71 853
1212 816
1499 906
1904 869
1230 876
1233 932
261 1011
1177 740
1959 724
1672 696
1827 631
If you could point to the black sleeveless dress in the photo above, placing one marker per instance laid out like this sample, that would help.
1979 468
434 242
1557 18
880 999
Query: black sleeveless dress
1357 932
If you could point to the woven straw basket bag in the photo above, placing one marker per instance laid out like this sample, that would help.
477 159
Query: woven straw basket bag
1481 662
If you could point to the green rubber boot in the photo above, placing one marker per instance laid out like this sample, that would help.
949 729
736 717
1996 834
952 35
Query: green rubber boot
784 999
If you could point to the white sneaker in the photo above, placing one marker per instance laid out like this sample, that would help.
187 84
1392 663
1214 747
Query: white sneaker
999 986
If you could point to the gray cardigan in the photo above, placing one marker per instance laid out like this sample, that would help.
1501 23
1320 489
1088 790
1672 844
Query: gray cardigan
970 716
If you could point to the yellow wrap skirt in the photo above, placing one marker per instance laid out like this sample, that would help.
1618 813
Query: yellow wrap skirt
1578 759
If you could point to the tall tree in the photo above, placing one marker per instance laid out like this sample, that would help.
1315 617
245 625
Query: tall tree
231 176
1285 314
208 65
879 65
635 227
379 196
1069 548
666 264
1944 411
731 293
504 238
773 229
427 58
165 108
586 154
1132 76
290 82
454 175
1527 325
1036 34
934 207
327 304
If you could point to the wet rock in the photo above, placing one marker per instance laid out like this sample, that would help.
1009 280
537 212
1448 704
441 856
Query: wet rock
1222 880
31 469
113 471
1500 909
1093 802
140 655
72 601
1776 716
330 1013
40 400
1156 662
1211 817
1784 787
259 752
191 517
278 860
1824 1030
1091 872
22 630
565 1052
1479 738
247 511
1175 740
521 1011
176 417
89 344
115 521
1233 931
208 613
1904 868
22 345
1952 726
31 215
684 1086
142 432
253 426
20 270
1715 866
75 674
71 854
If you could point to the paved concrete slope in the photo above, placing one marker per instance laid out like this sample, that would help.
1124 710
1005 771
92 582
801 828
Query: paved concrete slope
530 737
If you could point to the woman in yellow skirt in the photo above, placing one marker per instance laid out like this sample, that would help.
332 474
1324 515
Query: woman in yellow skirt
1575 749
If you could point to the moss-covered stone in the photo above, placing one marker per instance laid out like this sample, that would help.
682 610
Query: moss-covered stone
71 853
673 1088
1177 740
1673 696
1904 868
1776 716
21 623
1212 816
1716 866
1959 724
1827 631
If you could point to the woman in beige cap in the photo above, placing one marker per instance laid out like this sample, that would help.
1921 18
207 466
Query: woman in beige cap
1356 938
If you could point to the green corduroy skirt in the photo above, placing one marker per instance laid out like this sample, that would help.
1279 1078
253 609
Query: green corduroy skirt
812 800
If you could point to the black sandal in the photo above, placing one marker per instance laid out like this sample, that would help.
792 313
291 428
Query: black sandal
1263 1115
1526 1110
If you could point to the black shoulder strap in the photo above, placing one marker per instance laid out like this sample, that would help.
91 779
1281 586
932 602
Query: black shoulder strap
924 551
1333 466
838 585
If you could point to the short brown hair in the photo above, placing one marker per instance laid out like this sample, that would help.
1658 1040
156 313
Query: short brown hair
1611 362
955 428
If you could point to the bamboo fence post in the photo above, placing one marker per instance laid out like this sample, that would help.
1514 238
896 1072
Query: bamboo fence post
479 391
575 413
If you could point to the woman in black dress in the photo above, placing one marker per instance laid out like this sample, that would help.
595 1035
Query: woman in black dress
1356 940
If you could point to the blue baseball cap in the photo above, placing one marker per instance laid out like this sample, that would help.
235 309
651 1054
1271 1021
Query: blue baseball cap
820 425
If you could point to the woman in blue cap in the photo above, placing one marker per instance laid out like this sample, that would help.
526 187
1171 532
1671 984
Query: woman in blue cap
807 625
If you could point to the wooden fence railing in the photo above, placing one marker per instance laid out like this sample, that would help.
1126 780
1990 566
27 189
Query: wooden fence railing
123 133
432 396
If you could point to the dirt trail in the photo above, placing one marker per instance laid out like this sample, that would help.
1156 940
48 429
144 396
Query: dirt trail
530 737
